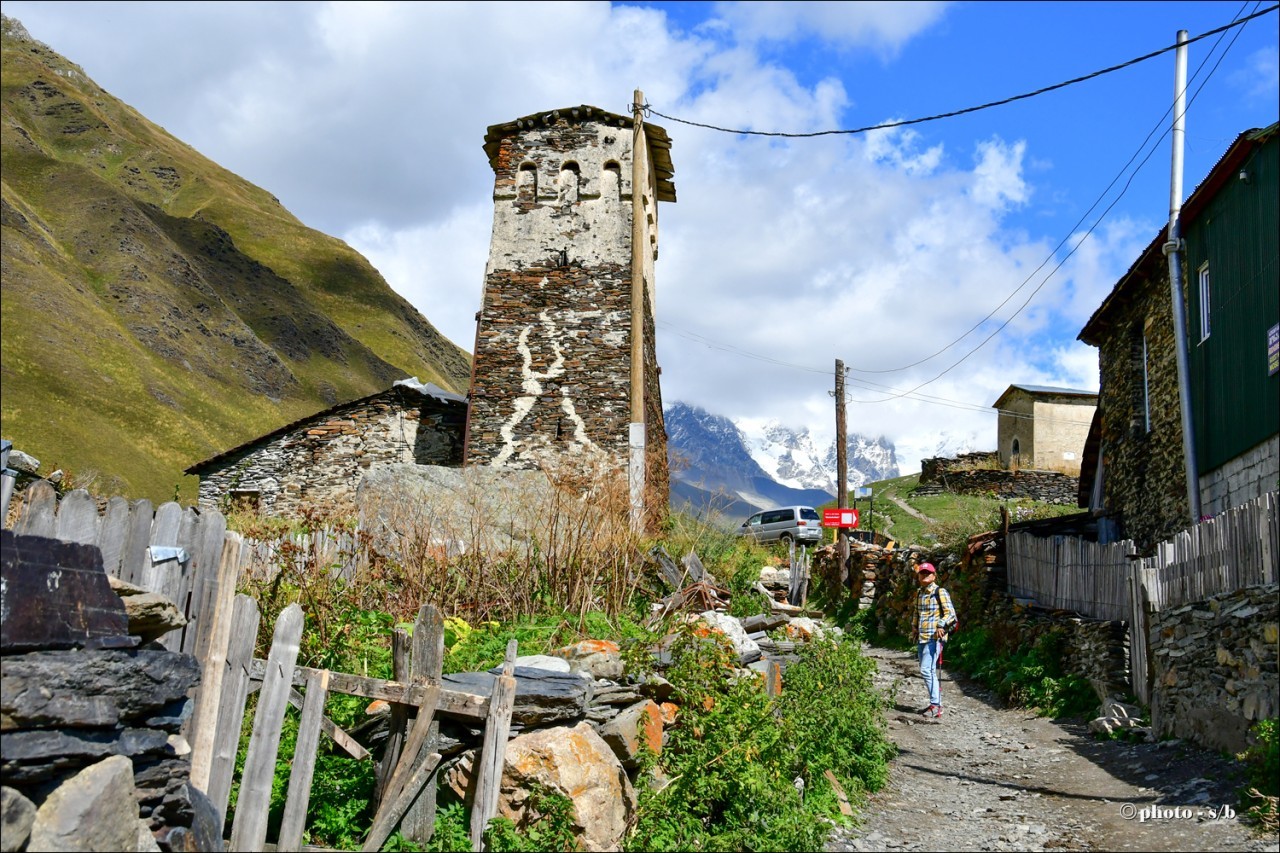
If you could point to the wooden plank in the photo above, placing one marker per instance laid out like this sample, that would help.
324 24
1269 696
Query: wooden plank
846 808
348 744
113 533
203 728
133 559
413 746
207 566
165 576
39 511
78 518
426 663
378 833
452 703
399 716
304 764
488 769
235 690
249 828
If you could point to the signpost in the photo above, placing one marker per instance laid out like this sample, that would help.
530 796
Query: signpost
839 518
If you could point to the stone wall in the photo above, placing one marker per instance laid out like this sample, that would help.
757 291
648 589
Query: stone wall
1214 667
552 367
92 753
1141 427
1244 478
971 475
321 460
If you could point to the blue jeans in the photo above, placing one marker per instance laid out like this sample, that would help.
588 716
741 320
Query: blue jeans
929 653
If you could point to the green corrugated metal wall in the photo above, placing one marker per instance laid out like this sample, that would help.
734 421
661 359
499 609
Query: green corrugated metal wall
1236 404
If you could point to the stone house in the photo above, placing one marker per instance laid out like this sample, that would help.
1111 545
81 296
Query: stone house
1134 470
1043 428
321 459
565 360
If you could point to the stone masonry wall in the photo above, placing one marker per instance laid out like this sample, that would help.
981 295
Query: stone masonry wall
979 473
1244 478
1146 481
322 460
1214 667
552 366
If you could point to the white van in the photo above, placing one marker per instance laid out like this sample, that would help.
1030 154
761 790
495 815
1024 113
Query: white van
800 524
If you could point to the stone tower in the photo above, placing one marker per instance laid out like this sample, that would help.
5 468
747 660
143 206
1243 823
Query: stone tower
564 353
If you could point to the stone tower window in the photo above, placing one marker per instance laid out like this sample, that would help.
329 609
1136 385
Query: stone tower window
527 182
611 181
570 179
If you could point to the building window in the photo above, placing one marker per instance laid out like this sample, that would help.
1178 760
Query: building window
527 182
1146 385
1204 301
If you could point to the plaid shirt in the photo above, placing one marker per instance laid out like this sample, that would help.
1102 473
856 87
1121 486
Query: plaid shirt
927 616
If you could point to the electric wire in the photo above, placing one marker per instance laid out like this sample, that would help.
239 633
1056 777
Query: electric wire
896 394
648 108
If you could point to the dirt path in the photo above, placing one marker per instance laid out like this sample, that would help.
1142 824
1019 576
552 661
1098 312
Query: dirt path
912 511
996 778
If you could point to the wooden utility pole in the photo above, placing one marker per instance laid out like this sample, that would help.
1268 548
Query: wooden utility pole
842 472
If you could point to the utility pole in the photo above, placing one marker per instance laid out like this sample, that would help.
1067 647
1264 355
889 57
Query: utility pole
639 231
842 472
1172 250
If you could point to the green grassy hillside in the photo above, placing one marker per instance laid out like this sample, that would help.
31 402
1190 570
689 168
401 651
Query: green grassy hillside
158 309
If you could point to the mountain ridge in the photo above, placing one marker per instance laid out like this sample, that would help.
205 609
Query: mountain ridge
174 307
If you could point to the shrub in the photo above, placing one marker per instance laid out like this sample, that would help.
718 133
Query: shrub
1262 762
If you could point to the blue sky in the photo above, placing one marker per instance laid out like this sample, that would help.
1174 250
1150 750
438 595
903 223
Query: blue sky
898 251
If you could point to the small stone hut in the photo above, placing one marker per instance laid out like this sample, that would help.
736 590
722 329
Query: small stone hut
1043 428
322 458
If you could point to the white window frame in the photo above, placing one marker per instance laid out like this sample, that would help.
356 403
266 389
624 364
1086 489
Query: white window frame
1204 280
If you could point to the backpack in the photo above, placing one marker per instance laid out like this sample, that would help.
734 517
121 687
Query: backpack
951 626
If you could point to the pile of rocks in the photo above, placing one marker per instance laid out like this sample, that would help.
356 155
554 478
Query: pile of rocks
91 748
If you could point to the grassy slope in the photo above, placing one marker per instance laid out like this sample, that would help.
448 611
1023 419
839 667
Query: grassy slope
158 309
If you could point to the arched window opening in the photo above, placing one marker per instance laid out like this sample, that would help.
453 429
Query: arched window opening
570 180
527 182
611 181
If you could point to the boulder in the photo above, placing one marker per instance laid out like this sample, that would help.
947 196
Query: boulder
93 810
17 813
600 658
542 697
574 762
746 648
636 729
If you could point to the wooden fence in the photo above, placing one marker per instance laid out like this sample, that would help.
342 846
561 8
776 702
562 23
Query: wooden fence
189 556
1232 551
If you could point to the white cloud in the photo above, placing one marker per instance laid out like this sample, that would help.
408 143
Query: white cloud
880 26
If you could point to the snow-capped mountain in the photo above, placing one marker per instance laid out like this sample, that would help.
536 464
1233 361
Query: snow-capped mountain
734 469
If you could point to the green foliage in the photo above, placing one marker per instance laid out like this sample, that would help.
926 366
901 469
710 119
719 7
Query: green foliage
1262 763
551 828
1029 675
726 779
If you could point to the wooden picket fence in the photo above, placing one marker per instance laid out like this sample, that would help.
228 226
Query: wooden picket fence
1232 551
189 556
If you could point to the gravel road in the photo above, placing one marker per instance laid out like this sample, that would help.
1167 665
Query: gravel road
995 778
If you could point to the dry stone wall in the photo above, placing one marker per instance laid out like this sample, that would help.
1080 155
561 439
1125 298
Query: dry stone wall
1214 667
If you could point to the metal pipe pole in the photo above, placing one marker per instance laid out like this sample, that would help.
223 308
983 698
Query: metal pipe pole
1173 251
636 438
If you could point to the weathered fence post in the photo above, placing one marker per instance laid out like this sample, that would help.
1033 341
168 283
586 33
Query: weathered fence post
426 663
235 690
249 829
304 763
399 714
213 660
488 769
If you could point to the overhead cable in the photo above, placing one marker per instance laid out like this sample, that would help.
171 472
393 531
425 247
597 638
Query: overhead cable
649 110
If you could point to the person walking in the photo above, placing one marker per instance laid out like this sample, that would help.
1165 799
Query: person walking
934 614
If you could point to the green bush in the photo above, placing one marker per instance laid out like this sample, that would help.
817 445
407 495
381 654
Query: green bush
1030 675
727 778
1262 762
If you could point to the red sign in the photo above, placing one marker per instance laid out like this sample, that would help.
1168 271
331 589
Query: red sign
839 518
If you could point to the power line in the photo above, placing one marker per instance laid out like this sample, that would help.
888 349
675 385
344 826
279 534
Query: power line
648 108
895 393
